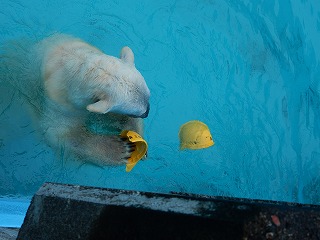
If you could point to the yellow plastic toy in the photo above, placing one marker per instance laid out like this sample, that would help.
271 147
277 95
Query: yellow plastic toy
195 135
140 149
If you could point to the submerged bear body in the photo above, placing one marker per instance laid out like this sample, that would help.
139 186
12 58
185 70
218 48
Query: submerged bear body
69 83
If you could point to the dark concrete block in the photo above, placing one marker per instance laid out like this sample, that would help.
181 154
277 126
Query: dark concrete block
60 211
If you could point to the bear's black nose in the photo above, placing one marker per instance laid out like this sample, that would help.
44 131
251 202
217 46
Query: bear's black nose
146 113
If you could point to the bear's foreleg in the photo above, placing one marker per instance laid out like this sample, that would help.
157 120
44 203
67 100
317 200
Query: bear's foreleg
99 149
71 134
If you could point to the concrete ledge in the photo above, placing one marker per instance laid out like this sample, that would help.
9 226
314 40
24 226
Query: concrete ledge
60 211
7 233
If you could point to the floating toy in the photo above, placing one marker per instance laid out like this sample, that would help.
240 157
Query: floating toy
140 150
195 135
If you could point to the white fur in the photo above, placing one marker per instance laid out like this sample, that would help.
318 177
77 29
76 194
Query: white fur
78 82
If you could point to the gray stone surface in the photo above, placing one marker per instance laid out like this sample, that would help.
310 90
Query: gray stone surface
8 233
74 212
60 211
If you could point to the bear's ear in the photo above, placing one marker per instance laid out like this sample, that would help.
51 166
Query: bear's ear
127 55
102 106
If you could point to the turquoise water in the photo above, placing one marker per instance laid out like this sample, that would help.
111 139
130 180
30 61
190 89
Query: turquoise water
248 69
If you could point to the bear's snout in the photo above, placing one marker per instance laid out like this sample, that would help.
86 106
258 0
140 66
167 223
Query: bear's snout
146 113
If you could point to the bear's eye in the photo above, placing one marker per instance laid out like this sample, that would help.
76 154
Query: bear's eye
95 99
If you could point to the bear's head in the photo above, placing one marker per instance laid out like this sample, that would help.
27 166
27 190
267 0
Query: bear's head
125 90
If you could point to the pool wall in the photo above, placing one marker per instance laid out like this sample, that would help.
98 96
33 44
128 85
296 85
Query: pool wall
249 70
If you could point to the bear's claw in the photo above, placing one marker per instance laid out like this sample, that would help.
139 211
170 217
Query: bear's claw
128 148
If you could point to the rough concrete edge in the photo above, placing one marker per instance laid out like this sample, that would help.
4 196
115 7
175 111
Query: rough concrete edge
8 233
113 197
198 205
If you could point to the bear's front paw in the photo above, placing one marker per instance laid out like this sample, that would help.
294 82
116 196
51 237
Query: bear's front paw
124 149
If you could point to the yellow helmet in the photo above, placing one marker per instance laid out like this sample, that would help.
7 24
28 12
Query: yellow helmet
195 135
139 151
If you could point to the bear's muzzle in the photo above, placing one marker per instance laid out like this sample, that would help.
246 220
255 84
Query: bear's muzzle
146 113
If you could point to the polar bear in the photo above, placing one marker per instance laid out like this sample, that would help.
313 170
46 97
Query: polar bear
74 87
